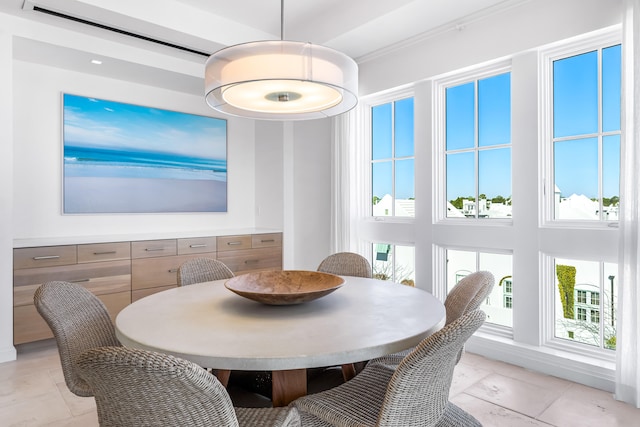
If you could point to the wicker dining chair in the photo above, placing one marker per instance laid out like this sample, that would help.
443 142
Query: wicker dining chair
198 270
79 321
136 388
467 295
346 264
416 393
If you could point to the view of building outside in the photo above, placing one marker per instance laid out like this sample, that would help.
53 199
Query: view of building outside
585 302
498 306
392 159
394 262
586 135
478 148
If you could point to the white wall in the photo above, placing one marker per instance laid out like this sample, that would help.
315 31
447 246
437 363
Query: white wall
260 154
312 192
38 157
7 352
514 30
269 164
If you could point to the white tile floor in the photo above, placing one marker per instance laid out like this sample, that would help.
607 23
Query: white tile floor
33 393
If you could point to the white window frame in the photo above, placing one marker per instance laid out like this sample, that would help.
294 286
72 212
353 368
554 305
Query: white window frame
599 238
547 186
366 105
439 134
440 269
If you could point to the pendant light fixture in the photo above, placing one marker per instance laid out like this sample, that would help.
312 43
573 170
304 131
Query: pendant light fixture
281 80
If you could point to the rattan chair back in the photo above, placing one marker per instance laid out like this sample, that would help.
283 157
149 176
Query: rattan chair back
79 321
468 294
198 270
413 394
137 388
346 264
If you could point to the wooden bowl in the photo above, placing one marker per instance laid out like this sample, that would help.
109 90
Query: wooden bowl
284 287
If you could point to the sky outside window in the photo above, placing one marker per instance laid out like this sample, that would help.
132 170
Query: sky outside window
392 157
586 132
478 153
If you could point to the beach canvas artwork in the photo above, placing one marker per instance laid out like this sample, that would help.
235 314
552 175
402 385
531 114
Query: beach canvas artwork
124 158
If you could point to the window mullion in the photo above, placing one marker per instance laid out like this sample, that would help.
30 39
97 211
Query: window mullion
600 140
476 144
393 159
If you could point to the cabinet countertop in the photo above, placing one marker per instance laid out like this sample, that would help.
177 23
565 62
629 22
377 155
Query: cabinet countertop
79 240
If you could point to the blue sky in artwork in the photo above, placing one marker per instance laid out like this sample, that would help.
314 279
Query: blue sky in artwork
576 114
95 123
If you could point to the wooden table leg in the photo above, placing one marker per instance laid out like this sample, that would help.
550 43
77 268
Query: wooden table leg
223 376
348 371
288 386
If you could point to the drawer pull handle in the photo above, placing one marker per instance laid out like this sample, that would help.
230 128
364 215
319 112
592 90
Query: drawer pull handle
80 280
234 243
104 253
173 270
267 240
252 261
154 249
46 257
198 246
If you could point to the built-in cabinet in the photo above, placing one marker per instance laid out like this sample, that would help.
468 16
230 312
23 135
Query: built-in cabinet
122 272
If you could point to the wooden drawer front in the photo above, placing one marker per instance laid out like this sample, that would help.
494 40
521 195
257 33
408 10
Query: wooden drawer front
44 256
115 303
196 245
248 260
266 240
29 326
104 252
233 243
153 248
141 293
100 278
154 272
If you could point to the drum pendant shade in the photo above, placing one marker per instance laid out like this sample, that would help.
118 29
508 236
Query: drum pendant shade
281 80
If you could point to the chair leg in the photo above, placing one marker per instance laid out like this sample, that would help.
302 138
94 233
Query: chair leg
348 371
223 376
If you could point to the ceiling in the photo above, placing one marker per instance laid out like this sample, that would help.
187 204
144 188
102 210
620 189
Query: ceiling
361 29
355 27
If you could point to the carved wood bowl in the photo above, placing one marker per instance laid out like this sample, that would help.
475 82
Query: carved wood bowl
284 287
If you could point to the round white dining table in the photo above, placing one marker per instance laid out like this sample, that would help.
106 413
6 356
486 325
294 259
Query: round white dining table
208 324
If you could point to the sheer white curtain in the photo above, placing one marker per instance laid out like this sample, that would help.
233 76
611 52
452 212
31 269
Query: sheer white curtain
628 331
347 181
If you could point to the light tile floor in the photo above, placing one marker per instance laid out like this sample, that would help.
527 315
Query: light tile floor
33 393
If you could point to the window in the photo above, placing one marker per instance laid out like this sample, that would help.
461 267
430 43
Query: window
394 262
478 148
578 290
582 315
586 135
508 286
460 263
508 302
392 159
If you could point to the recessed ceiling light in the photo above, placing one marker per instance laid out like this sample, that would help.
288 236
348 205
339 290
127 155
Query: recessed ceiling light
96 61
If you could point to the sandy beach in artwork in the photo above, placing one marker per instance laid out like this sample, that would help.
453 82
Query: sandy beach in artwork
143 195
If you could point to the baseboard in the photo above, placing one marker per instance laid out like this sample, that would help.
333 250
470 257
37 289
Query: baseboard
8 354
572 367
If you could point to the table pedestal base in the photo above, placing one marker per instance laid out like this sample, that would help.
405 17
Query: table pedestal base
287 386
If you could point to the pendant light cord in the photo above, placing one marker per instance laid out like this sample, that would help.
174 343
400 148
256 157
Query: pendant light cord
281 20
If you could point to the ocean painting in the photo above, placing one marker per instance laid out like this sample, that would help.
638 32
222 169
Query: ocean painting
124 158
